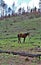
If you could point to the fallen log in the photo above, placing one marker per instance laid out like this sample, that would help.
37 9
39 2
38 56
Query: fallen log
22 54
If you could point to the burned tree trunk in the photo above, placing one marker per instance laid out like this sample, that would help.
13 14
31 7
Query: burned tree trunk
22 54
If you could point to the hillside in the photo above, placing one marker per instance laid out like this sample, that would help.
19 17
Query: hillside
10 27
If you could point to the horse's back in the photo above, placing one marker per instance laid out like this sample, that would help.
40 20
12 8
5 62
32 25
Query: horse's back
22 35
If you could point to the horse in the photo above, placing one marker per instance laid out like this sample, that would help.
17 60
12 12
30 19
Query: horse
22 35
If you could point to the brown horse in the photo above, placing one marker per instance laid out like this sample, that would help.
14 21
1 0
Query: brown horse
22 36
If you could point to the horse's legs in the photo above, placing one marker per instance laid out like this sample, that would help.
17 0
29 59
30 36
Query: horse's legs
24 40
19 40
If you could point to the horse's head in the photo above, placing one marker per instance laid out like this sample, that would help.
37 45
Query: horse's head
27 33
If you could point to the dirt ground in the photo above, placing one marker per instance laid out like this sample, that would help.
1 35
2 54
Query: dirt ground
18 60
10 59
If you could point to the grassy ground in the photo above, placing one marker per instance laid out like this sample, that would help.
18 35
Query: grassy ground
9 28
